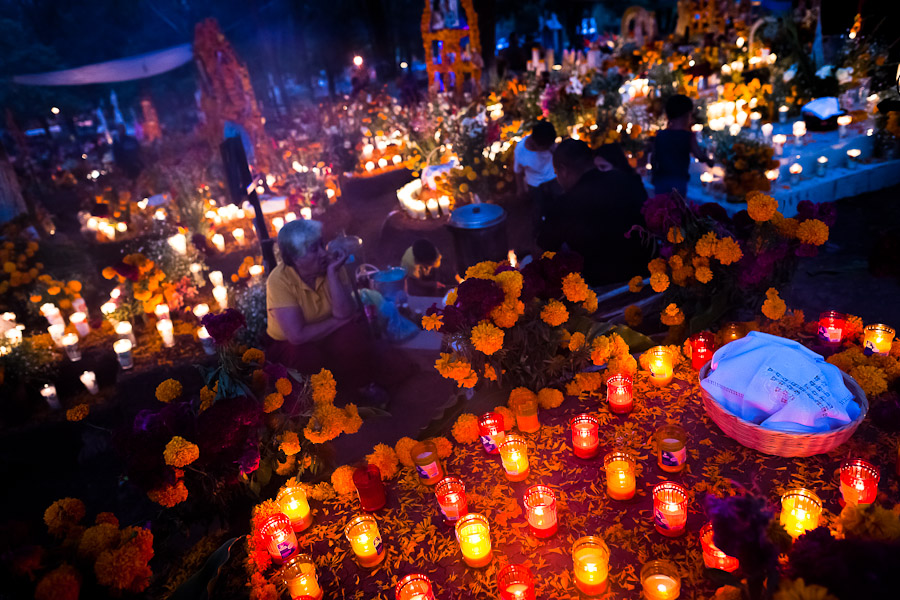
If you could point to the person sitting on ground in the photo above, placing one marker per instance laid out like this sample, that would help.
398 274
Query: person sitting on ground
313 322
422 263
593 216
533 166
673 147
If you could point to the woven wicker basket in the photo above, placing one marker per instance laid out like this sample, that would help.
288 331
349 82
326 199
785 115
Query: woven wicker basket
781 443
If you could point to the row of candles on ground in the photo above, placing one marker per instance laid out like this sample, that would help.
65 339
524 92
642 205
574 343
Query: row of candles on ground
408 195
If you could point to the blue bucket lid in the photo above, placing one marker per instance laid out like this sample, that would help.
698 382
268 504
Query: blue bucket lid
389 275
477 216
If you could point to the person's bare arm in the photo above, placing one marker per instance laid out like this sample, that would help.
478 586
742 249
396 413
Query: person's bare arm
342 304
699 153
521 188
298 331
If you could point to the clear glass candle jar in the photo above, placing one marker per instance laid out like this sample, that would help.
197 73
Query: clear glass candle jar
621 481
670 508
514 455
800 511
299 575
474 537
293 502
428 465
414 587
365 540
671 448
280 539
515 582
451 496
540 511
585 436
590 558
714 558
661 365
490 427
660 580
878 339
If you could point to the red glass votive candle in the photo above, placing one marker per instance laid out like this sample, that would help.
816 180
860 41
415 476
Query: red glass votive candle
585 436
451 496
859 481
618 394
514 455
670 508
369 487
414 587
280 539
714 558
703 345
831 327
515 582
490 427
540 510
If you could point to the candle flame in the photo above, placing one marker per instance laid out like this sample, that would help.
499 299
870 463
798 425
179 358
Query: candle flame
511 257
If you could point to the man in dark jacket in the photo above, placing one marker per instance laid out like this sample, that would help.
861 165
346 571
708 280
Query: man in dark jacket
594 215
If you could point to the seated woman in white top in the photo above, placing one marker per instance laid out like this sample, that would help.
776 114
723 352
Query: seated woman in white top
533 166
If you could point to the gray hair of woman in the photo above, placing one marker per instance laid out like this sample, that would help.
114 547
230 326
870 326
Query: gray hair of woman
297 237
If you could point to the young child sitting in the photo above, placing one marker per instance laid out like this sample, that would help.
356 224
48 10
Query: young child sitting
422 263
673 147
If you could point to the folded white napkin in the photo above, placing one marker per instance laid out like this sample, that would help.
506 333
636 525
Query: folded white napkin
823 108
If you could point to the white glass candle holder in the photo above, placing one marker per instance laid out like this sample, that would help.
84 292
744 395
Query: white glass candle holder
79 321
56 333
89 380
70 345
162 312
843 121
209 346
166 332
779 141
796 173
201 310
123 352
216 278
220 293
218 241
853 158
124 330
821 166
49 394
782 114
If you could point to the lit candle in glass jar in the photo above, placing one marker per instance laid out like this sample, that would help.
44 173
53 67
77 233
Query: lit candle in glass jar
70 345
660 580
767 130
514 455
369 488
661 366
238 235
13 336
852 157
216 278
703 345
108 308
299 574
206 341
799 130
220 293
800 511
294 504
280 538
821 165
218 241
48 392
843 121
590 557
671 448
277 224
585 436
831 327
795 171
451 497
526 411
782 114
428 465
514 582
490 427
540 510
89 380
167 332
52 314
162 312
474 537
365 540
859 481
79 321
125 331
255 271
414 587
878 339
670 508
122 348
306 213
56 333
706 178
620 475
731 332
201 310
618 394
779 140
714 558
290 217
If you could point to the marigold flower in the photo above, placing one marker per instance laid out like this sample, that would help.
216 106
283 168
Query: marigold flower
180 453
465 430
452 366
706 245
126 568
773 307
672 316
433 322
489 373
574 288
761 207
636 284
675 235
506 314
786 227
54 290
555 313
62 583
342 480
36 299
64 514
591 303
482 270
511 282
207 397
576 342
659 282
352 420
584 383
384 457
253 355
728 251
451 297
327 422
290 443
284 386
287 467
444 446
168 390
272 402
872 380
487 338
403 449
324 387
169 494
703 274
633 315
550 398
622 363
509 419
106 517
98 538
78 413
812 231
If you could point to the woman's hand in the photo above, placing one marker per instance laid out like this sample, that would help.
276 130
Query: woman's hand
336 260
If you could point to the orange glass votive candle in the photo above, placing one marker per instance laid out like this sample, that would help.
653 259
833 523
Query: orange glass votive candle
299 574
514 582
800 511
670 508
703 345
590 556
540 511
714 558
294 504
526 411
831 327
878 339
660 580
428 465
671 448
280 539
474 537
661 365
585 436
414 587
451 496
620 475
490 427
514 455
859 481
365 540
618 394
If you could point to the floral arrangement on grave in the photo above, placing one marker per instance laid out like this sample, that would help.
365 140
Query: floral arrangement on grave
709 263
745 161
518 328
252 420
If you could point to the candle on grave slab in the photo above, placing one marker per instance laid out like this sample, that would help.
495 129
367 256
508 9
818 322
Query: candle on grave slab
124 330
795 170
800 511
843 121
821 166
108 308
878 339
706 179
585 436
162 311
56 333
514 456
799 130
515 582
369 488
428 465
238 235
714 558
451 497
526 411
306 213
13 336
660 580
280 539
293 503
299 575
853 157
201 310
206 341
79 322
671 448
48 392
490 428
779 140
220 293
474 537
703 345
859 481
70 345
218 241
621 480
831 327
661 365
414 587
89 380
277 224
365 540
122 348
178 242
590 557
767 130
167 332
619 394
540 511
782 114
670 508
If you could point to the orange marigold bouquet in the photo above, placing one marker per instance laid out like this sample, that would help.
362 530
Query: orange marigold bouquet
746 161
